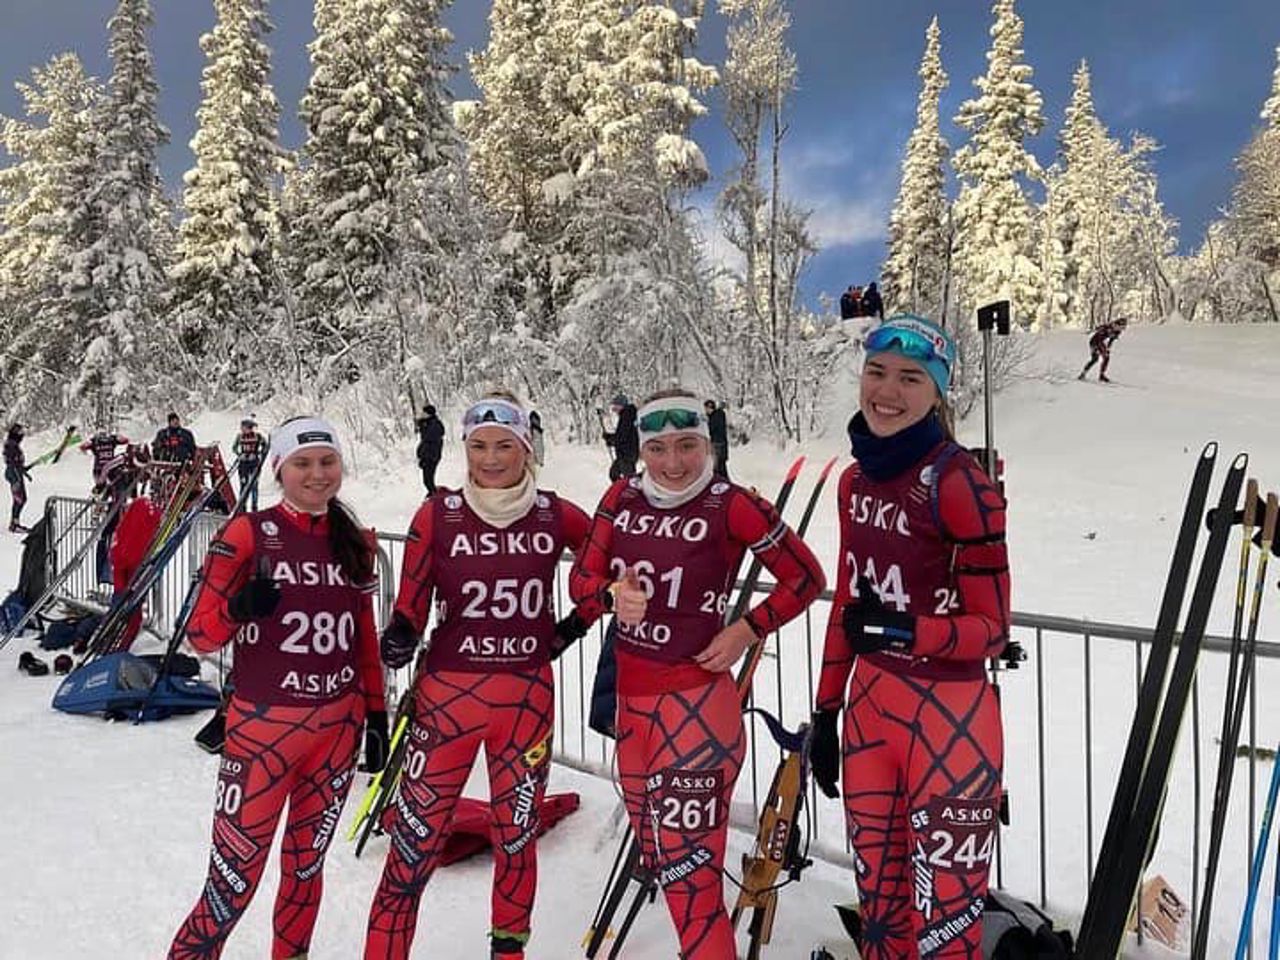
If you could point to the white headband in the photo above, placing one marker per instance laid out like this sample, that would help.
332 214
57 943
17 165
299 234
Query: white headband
501 413
680 405
288 438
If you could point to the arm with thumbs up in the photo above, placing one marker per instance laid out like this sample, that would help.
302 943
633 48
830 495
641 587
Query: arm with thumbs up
258 598
629 598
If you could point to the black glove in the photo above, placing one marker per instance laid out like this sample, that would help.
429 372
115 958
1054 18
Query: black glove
824 752
1260 511
377 740
870 626
399 642
568 630
257 598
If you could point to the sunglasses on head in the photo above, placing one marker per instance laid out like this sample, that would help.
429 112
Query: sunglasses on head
495 411
678 418
909 343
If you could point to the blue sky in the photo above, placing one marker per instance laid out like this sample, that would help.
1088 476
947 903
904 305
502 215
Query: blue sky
1191 73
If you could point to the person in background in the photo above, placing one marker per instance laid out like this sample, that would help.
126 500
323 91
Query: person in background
430 446
1100 342
249 448
921 602
848 304
487 554
307 679
539 443
102 445
17 475
872 302
623 440
174 442
719 427
662 554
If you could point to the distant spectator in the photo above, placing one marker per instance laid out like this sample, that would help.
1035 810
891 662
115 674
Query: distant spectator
430 446
249 447
624 439
103 447
535 430
17 474
174 443
872 303
849 303
719 427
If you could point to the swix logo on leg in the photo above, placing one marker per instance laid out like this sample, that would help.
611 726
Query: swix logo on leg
922 881
526 793
871 511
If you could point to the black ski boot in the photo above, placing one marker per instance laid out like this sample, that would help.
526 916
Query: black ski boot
32 665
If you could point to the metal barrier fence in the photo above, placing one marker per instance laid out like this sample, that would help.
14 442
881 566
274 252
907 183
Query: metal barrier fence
1066 715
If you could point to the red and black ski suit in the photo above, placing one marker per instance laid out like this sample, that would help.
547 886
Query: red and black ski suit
923 748
304 678
486 681
680 733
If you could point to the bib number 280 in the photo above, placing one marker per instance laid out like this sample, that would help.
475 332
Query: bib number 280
322 633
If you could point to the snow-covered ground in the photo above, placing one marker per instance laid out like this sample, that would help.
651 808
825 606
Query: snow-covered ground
103 828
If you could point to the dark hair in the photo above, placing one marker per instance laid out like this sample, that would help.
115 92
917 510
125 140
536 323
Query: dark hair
349 543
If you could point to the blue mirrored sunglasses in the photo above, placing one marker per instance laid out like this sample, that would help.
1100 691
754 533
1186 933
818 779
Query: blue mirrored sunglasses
909 343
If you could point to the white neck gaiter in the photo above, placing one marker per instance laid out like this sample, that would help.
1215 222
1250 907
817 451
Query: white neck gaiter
502 506
664 499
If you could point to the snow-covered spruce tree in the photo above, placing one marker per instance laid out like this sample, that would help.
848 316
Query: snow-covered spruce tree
995 252
131 358
638 283
1254 217
517 138
914 272
54 154
763 346
222 281
377 120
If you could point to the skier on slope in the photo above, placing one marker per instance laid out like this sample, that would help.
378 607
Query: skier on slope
307 678
487 676
663 552
1100 342
249 447
922 599
17 475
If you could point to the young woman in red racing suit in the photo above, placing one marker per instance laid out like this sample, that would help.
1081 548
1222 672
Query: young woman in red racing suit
293 586
488 554
922 600
664 548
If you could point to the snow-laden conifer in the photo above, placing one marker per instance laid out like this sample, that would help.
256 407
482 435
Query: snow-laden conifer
914 272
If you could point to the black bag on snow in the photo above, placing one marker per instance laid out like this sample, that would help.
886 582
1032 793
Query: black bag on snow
33 575
1015 930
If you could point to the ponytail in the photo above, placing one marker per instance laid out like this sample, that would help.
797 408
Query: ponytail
349 543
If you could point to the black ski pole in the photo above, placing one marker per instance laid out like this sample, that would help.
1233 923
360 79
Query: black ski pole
1233 704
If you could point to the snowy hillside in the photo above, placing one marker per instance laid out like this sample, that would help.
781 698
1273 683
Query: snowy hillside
104 828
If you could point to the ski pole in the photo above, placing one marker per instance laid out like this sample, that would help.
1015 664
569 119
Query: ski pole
1259 859
1233 705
